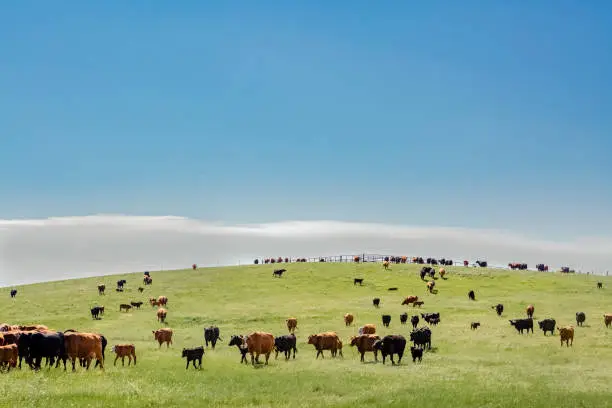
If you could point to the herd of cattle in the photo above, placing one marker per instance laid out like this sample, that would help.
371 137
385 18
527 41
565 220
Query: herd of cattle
33 343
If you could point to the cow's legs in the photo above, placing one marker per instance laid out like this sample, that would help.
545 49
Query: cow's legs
116 358
267 357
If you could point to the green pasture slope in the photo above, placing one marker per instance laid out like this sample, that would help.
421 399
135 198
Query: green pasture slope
493 366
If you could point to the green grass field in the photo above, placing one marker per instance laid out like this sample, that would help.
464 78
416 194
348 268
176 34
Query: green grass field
493 366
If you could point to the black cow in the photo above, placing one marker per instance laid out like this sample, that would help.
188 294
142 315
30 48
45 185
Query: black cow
140 289
421 337
426 270
285 344
429 317
433 321
211 334
95 312
415 321
471 295
386 319
475 325
389 345
376 302
101 289
104 343
599 285
13 293
499 309
278 272
403 318
580 318
547 325
193 355
238 341
136 304
522 324
36 346
417 353
120 283
394 288
358 281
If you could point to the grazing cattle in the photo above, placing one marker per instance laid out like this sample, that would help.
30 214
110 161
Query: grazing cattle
410 299
211 334
608 320
325 341
418 303
475 325
35 346
386 319
522 324
376 302
442 272
367 329
122 351
389 345
529 311
136 304
161 314
567 335
291 324
285 344
365 343
415 321
147 280
96 311
239 342
140 289
499 309
13 293
580 318
425 271
358 281
278 272
125 307
471 295
386 264
163 336
348 319
547 325
153 302
403 318
84 346
421 337
120 283
433 321
431 317
260 343
430 286
8 356
193 355
162 301
599 285
417 353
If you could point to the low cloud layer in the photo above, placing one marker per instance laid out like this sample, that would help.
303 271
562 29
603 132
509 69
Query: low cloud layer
72 247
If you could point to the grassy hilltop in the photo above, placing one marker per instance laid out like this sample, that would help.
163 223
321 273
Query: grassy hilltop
493 366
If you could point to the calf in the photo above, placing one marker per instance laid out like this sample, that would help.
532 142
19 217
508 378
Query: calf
522 324
475 325
567 335
8 356
608 320
161 314
499 309
285 344
136 304
389 345
410 299
239 342
580 318
348 319
471 295
529 311
547 325
193 355
403 318
415 321
291 324
386 319
125 307
278 272
417 353
13 293
358 281
124 350
211 334
376 302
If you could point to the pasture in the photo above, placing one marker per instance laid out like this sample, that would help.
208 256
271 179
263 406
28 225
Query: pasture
492 366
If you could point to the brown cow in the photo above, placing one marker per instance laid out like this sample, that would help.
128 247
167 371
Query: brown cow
325 341
442 272
35 327
161 314
124 350
365 343
85 346
162 301
367 329
566 333
8 356
608 319
530 310
410 299
386 264
163 335
260 343
348 319
1 339
153 302
291 324
430 286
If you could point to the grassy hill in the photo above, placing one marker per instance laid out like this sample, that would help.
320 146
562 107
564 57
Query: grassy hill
493 366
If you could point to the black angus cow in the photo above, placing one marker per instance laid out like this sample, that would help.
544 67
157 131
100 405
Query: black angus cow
120 283
415 321
475 325
386 319
547 325
433 321
429 317
13 293
36 346
403 318
471 295
394 288
358 281
580 318
426 270
522 324
136 304
599 285
417 353
140 289
193 355
278 272
125 307
376 302
101 289
239 342
482 264
96 311
421 337
389 345
211 334
285 344
499 309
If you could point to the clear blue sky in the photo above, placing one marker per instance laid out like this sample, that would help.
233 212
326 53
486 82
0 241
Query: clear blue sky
473 113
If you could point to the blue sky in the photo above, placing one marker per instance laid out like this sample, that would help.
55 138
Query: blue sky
476 114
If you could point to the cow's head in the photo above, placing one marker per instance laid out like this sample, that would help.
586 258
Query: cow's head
312 339
354 340
378 345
